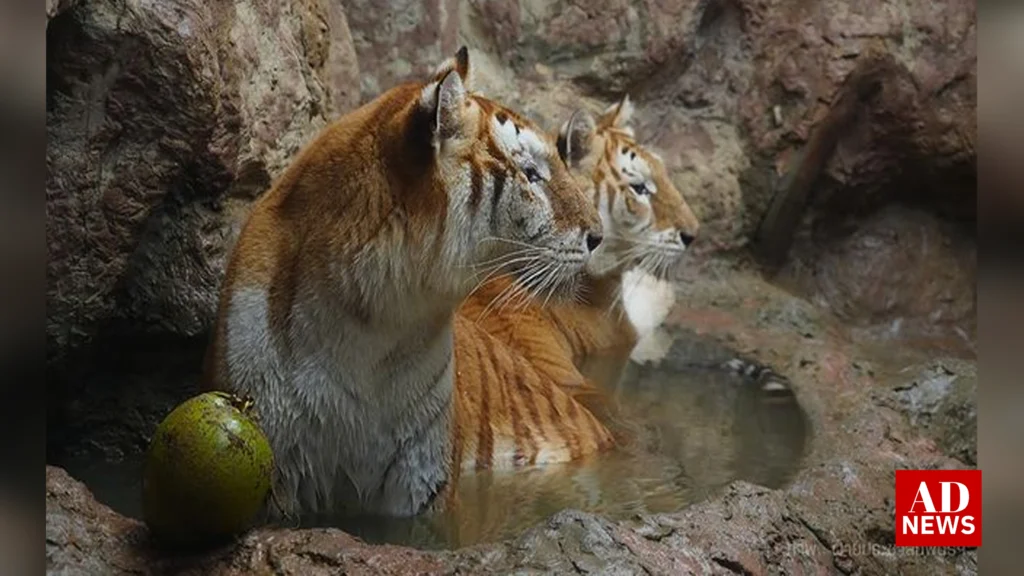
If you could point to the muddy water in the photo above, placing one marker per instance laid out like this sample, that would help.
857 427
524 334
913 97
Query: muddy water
692 429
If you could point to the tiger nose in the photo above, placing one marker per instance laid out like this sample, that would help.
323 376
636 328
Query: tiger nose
686 238
593 241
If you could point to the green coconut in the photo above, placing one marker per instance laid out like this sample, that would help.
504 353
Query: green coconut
207 472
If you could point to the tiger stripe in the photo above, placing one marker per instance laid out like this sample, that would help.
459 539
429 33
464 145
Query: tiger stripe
510 404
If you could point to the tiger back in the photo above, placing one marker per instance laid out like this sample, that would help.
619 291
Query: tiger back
510 414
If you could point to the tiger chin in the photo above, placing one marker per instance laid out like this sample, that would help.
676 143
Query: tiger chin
336 310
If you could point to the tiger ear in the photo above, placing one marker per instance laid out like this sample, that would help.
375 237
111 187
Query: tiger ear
448 116
445 96
618 115
575 138
459 63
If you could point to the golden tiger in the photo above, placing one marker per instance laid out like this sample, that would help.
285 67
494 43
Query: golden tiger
337 317
646 224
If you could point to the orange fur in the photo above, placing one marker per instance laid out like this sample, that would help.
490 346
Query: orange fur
509 414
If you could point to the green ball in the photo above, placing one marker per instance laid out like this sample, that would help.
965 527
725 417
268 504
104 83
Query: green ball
207 472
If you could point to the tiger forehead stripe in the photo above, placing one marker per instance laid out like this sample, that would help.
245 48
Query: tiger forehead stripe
513 139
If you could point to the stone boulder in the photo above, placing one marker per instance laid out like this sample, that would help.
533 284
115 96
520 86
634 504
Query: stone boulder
900 273
941 402
164 121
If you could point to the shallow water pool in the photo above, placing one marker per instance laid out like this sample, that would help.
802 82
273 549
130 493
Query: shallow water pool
693 428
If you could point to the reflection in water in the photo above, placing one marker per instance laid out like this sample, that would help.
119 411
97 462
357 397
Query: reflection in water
691 429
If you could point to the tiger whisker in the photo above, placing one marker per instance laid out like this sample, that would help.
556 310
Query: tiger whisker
497 269
490 305
503 257
532 270
508 241
552 284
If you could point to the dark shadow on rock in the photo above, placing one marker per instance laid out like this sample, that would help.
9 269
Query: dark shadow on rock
105 400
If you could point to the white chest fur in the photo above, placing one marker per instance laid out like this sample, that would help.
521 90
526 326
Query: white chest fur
357 417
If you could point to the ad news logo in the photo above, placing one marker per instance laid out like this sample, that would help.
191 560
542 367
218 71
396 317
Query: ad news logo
938 508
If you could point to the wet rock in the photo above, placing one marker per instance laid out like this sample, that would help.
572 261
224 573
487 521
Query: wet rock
902 269
84 536
941 403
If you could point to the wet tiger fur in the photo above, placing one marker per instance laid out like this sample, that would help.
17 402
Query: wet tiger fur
337 309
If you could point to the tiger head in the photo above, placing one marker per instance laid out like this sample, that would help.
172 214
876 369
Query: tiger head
646 221
512 203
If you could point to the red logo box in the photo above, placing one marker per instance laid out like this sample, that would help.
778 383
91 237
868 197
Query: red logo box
938 508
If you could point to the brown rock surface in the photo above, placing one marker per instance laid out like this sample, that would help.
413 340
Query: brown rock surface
900 270
733 89
159 118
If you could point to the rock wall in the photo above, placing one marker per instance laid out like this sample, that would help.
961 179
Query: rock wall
165 120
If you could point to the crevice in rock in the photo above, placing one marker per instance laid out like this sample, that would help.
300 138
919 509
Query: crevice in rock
319 558
731 565
62 29
775 234
721 18
882 536
819 535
